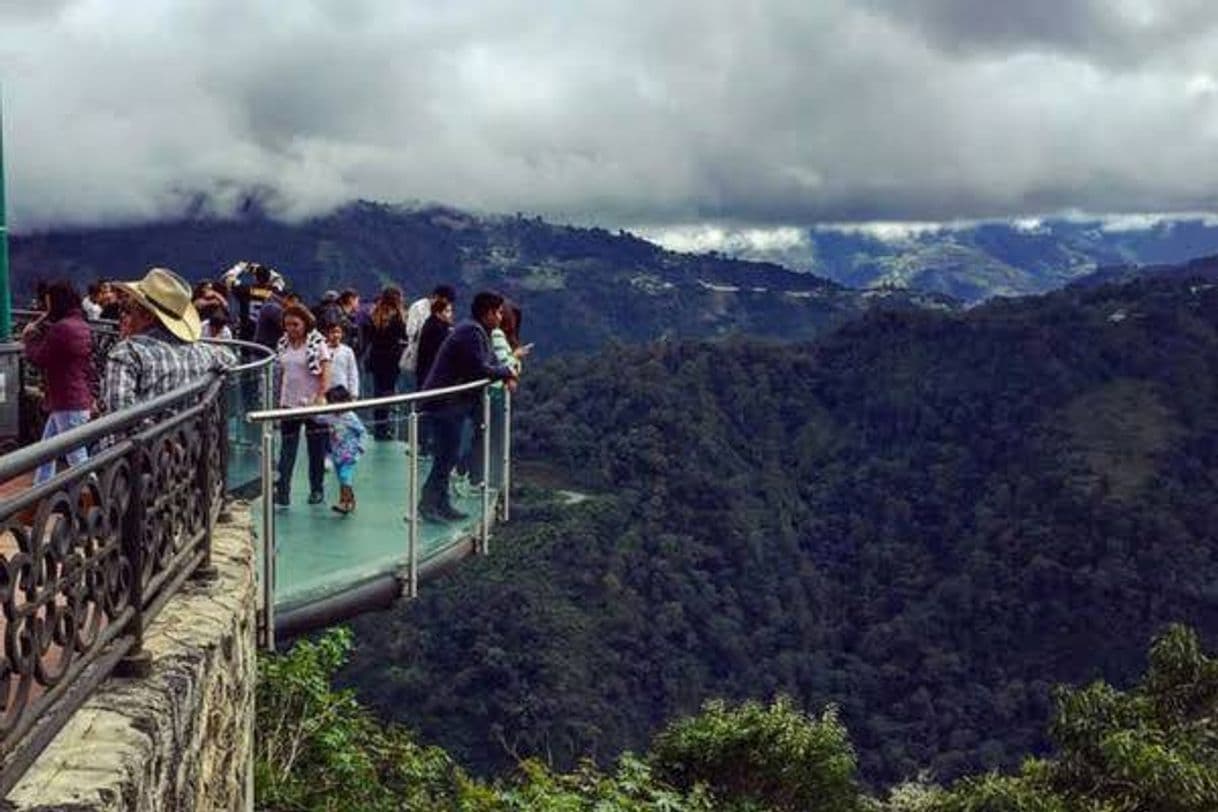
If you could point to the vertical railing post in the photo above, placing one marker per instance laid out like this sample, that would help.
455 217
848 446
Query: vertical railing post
412 497
136 662
229 435
6 313
486 469
268 387
267 547
506 480
211 433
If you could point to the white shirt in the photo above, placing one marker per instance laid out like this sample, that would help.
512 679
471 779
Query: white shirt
224 331
344 370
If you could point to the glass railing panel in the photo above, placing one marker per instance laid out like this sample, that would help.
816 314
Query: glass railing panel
322 552
497 431
243 393
438 534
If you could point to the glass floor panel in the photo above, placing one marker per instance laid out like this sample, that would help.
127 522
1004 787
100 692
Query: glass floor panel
321 552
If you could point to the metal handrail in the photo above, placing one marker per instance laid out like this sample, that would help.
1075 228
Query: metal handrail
111 326
410 578
268 356
367 403
17 462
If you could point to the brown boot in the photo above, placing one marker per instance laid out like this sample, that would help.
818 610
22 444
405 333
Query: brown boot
346 500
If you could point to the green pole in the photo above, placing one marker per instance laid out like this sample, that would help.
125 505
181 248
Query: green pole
6 303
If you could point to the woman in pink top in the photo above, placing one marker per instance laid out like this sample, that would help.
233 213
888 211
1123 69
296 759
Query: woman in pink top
304 369
61 345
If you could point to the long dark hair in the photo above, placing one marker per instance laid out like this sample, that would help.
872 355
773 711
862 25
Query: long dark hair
510 325
61 299
388 304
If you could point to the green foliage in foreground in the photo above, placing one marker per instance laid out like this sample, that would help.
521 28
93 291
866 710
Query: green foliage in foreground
319 749
768 757
1150 749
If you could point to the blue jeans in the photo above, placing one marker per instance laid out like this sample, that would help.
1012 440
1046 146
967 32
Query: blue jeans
58 423
446 445
317 441
346 473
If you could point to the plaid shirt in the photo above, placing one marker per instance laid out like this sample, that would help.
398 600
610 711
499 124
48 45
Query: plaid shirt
153 363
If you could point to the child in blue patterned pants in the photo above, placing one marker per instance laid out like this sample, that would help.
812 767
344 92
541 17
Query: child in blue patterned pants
347 433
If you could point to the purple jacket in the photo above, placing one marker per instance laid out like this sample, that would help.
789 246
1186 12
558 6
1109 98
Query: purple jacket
64 351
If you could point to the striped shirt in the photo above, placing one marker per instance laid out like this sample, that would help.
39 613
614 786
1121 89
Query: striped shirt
153 363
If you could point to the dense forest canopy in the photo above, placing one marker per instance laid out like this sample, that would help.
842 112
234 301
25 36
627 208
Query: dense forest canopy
926 519
1153 748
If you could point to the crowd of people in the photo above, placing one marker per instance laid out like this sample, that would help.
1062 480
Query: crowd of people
319 352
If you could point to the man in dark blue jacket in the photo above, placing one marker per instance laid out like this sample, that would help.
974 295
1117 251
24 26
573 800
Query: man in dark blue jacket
465 356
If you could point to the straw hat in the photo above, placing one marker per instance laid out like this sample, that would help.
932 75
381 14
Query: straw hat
166 295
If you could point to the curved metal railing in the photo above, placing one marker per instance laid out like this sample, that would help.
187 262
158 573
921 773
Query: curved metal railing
248 387
415 403
92 555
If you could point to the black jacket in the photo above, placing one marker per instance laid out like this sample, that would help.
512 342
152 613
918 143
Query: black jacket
465 356
434 331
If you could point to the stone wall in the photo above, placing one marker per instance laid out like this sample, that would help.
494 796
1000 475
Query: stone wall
180 739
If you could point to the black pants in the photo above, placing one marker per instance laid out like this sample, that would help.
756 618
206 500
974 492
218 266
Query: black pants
384 382
317 440
445 429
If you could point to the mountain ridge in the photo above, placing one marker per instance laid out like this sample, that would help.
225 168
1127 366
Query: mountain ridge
979 261
581 287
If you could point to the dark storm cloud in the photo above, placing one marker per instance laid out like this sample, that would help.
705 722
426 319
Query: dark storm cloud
598 111
1115 32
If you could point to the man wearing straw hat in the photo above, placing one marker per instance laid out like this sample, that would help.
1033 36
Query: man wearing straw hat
160 349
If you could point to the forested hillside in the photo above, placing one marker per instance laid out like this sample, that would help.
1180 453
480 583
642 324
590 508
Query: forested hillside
925 518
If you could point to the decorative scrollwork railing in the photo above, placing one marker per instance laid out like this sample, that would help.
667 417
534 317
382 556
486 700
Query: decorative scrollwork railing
88 558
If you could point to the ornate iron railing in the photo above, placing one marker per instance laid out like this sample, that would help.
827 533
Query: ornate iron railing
89 557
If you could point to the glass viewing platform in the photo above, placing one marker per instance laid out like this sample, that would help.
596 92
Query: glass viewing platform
324 566
100 547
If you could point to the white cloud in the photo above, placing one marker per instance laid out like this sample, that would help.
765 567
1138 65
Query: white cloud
891 231
705 237
783 112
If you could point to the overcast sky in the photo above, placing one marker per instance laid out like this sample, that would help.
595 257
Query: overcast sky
761 114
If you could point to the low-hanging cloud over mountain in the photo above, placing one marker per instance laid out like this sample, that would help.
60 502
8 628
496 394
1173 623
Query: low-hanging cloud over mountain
763 113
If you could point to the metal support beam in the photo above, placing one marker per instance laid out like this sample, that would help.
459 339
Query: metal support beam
506 484
267 545
6 297
486 470
412 500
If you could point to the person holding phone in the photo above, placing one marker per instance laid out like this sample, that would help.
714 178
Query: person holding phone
464 357
505 343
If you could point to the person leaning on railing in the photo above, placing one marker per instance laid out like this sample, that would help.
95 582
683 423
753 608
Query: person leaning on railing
59 342
159 350
464 357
